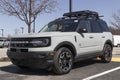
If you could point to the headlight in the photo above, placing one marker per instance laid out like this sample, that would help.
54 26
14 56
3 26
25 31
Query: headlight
43 42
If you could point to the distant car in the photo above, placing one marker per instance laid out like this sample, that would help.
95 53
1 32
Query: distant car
4 43
116 40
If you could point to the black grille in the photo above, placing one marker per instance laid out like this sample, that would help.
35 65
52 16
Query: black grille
25 42
22 39
21 44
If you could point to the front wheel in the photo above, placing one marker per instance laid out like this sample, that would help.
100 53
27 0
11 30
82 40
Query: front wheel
107 53
63 61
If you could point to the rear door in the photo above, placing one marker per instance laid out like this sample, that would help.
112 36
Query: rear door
86 40
97 33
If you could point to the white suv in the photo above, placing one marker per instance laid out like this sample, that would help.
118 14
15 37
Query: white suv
77 36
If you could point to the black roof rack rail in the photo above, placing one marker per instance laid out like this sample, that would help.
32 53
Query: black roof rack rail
86 13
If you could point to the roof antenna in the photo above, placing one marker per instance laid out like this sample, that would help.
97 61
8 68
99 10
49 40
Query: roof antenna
70 8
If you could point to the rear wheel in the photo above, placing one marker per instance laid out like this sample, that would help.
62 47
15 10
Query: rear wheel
107 53
63 61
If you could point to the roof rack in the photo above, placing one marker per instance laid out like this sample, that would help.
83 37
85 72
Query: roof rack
85 14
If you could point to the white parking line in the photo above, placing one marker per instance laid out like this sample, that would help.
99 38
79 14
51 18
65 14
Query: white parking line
101 74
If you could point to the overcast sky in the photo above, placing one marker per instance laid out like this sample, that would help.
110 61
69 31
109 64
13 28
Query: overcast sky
103 7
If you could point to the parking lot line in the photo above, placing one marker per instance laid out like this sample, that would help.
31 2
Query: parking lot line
101 74
116 59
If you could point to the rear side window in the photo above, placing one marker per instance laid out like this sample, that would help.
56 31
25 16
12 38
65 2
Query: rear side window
95 27
103 26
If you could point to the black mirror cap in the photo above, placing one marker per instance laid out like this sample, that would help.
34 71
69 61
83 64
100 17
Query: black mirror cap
82 30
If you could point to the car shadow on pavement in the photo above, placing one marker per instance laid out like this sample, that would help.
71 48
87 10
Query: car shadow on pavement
88 62
16 70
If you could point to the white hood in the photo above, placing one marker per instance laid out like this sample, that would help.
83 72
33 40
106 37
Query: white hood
45 34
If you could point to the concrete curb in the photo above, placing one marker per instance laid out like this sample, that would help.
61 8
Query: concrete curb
4 59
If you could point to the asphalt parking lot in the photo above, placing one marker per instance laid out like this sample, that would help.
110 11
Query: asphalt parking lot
83 70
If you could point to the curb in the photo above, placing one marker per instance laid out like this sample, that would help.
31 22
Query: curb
4 59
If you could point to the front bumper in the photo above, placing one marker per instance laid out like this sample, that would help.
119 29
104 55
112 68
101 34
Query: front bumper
31 59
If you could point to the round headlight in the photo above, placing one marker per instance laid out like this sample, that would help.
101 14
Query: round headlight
45 42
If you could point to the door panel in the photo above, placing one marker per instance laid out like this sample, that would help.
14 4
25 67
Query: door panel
88 42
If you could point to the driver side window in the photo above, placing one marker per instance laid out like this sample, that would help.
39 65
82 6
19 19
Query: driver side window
84 24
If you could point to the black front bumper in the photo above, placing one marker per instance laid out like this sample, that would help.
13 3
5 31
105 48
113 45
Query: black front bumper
31 59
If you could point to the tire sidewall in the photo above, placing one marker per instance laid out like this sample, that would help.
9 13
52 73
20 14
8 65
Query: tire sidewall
104 57
57 69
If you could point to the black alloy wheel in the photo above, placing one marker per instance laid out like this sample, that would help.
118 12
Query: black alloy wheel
63 61
107 53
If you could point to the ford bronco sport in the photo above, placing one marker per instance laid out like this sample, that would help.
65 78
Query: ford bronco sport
76 36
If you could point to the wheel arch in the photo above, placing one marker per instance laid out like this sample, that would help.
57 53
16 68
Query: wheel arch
68 45
110 43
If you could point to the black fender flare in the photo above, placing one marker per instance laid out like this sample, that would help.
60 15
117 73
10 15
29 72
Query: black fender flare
109 42
64 44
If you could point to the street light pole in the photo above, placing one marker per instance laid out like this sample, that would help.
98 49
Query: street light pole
70 7
2 31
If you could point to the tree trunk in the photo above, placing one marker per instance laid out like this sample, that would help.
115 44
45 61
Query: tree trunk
30 16
29 28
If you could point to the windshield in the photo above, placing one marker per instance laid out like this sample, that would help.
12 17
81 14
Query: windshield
63 26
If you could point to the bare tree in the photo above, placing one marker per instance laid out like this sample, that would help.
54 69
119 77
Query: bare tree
116 20
114 30
26 10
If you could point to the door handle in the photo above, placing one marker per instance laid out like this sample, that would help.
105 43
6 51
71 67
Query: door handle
91 37
103 36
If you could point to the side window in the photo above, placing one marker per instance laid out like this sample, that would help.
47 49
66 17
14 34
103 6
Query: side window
84 24
103 26
52 27
95 27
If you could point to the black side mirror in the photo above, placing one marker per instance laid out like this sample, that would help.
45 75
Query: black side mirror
82 30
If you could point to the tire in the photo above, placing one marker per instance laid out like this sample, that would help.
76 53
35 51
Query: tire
63 61
107 54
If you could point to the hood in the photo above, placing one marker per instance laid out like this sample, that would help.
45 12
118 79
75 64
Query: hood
45 34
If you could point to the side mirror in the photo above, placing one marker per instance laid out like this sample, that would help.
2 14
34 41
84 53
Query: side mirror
82 30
